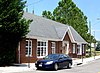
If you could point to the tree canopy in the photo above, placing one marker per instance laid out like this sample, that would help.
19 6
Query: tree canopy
13 27
68 13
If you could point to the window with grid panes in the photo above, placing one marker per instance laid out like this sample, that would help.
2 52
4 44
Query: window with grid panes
41 48
53 47
28 48
73 48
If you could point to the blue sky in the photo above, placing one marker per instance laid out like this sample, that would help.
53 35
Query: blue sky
91 8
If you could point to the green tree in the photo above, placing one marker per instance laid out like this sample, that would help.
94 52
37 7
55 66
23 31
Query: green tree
68 13
13 28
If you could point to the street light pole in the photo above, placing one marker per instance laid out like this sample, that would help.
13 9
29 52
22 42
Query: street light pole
90 36
94 46
29 53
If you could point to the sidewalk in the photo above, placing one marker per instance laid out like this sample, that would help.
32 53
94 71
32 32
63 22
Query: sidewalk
24 67
84 61
11 69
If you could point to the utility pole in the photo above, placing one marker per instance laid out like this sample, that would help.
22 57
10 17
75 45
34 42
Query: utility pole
29 53
94 46
90 37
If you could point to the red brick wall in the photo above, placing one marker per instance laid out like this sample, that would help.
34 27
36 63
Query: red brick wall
75 54
58 46
23 57
49 47
67 38
33 58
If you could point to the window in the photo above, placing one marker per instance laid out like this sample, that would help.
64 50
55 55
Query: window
79 49
53 47
41 48
83 49
28 47
73 48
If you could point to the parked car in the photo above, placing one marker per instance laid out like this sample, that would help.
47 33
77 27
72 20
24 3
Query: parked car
54 61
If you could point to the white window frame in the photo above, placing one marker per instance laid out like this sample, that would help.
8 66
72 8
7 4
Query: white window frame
83 47
41 56
79 51
53 47
66 43
74 49
29 46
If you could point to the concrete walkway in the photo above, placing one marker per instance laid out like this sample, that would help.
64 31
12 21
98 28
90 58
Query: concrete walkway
24 67
83 61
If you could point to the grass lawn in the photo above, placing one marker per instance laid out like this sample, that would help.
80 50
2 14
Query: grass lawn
93 52
97 53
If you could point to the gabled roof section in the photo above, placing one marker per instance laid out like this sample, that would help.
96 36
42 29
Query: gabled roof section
76 37
61 30
46 28
51 30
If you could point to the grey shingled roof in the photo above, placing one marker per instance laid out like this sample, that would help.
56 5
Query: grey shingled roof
46 28
76 36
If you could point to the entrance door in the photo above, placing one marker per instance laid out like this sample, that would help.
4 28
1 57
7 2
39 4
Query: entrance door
65 47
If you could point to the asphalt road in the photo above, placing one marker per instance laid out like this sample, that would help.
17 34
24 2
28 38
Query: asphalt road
91 67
